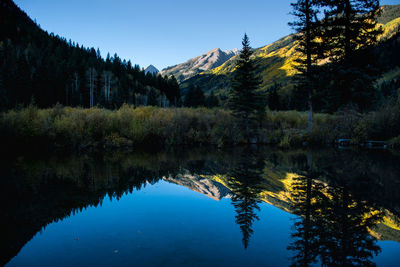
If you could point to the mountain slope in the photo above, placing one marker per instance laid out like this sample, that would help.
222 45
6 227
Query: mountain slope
277 190
190 68
275 62
46 68
200 184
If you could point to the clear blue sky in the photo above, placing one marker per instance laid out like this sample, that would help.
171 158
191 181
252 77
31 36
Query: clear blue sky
163 32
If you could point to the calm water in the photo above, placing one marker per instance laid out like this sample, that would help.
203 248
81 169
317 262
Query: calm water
241 207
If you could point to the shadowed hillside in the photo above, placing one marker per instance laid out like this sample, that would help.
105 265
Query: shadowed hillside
37 66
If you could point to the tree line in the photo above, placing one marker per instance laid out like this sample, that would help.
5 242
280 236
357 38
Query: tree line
341 32
335 30
47 69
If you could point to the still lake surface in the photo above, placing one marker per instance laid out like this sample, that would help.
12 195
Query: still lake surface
247 206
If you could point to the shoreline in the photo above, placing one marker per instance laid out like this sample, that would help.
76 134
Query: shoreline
128 128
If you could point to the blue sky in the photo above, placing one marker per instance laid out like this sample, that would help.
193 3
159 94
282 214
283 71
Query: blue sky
163 32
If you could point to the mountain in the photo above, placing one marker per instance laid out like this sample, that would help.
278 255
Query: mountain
277 190
389 13
197 183
275 62
194 66
151 69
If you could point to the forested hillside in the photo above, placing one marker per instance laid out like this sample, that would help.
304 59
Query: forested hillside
275 63
49 69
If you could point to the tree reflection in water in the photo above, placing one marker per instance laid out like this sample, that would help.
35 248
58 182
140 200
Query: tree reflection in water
332 226
337 196
244 181
307 197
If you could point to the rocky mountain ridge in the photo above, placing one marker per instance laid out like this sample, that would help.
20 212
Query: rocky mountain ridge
212 59
151 69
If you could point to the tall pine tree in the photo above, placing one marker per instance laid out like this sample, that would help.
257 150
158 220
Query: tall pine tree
246 101
212 101
189 97
307 27
350 25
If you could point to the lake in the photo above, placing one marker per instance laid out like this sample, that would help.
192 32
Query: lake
248 206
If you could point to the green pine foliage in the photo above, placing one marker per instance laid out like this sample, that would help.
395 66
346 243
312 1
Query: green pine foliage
189 97
246 101
349 26
350 31
274 98
50 69
275 64
212 101
308 29
195 97
152 98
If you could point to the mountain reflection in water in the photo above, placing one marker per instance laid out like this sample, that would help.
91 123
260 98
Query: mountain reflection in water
343 201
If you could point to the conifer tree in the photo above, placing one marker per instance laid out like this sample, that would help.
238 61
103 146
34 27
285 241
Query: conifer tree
245 100
212 101
189 97
195 97
308 30
273 97
173 90
198 98
349 25
152 98
54 70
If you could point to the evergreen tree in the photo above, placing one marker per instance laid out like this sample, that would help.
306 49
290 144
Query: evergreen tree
173 91
189 97
212 101
308 28
273 97
52 69
246 101
349 25
198 97
152 98
195 97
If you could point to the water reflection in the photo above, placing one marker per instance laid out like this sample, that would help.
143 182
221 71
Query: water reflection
308 199
343 201
333 226
244 182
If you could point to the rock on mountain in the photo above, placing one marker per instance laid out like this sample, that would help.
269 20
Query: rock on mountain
207 187
151 69
275 63
194 66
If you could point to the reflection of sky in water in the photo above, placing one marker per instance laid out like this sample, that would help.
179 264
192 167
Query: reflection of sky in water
161 224
167 224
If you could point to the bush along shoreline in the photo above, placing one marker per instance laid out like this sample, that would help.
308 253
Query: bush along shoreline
79 129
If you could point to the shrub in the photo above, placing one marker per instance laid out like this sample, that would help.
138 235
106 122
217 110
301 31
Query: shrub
151 126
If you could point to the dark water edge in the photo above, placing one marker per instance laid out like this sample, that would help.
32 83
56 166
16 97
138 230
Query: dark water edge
325 190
